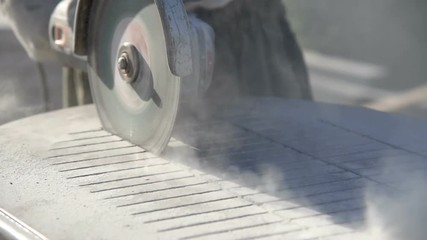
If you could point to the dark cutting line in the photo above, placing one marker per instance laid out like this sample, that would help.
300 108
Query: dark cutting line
306 138
198 126
297 185
319 182
372 138
315 194
212 138
330 213
309 167
338 143
281 155
269 235
227 147
300 187
186 205
374 165
379 157
304 153
347 154
129 178
91 151
142 184
299 178
359 221
237 151
244 116
192 130
86 145
107 164
390 182
284 166
241 137
326 172
230 230
334 145
344 235
214 153
216 137
316 204
199 213
157 190
211 221
115 171
86 131
353 220
323 183
86 138
351 180
168 198
209 143
238 160
97 158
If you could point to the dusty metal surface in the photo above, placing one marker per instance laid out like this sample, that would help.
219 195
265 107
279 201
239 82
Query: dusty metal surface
269 169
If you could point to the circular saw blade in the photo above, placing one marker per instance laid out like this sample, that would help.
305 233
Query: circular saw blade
142 111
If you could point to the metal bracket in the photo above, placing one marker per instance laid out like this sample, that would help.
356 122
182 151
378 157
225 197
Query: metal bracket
177 30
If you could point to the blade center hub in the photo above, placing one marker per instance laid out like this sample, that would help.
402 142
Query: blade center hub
128 62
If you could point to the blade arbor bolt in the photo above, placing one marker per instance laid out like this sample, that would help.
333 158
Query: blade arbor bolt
128 62
123 63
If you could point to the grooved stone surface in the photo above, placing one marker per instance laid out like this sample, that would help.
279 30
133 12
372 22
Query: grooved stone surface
264 169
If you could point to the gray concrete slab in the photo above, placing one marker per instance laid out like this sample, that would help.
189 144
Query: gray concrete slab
69 179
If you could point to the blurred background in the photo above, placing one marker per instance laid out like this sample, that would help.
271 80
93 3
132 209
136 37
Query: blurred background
21 91
365 53
370 53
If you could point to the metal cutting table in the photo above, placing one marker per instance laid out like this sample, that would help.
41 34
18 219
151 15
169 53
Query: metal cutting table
264 169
